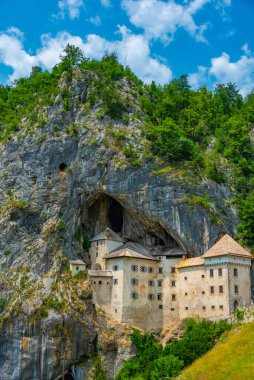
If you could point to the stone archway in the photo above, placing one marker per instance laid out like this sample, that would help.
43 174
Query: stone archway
96 266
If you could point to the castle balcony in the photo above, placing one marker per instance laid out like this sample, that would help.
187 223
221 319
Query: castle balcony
100 273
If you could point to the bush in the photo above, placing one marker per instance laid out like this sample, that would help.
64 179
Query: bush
152 362
61 225
2 303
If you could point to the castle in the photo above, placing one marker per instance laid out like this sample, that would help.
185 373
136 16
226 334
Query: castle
150 290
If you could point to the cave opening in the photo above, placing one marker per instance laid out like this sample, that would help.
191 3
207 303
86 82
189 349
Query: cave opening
115 215
105 211
62 167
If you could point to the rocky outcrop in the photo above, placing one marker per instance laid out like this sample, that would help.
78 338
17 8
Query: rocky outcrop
60 185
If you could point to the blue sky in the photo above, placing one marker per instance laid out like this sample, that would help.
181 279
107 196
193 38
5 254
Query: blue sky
211 40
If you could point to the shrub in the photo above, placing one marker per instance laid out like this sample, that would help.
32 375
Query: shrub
61 225
2 303
239 314
152 362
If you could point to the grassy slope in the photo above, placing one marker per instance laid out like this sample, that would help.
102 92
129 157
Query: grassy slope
232 359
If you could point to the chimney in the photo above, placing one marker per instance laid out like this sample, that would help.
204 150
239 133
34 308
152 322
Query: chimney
107 232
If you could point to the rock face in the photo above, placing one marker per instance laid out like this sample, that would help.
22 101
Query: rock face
54 183
38 350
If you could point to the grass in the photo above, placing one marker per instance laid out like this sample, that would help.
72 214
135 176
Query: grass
231 359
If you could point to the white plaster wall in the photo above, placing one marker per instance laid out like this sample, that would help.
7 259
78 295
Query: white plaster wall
117 289
194 292
170 307
74 270
102 291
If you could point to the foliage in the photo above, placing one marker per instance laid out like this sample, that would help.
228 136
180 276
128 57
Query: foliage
61 225
239 314
246 228
99 371
232 358
80 234
154 362
2 303
199 337
206 131
55 304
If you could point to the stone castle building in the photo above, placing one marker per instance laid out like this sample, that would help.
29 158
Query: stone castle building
150 290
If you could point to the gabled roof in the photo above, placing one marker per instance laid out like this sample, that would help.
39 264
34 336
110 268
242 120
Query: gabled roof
226 246
131 250
192 262
77 262
107 234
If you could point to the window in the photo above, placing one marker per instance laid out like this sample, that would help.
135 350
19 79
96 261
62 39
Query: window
185 294
173 270
107 282
160 270
213 307
160 307
159 283
185 278
77 268
150 283
100 282
134 295
97 243
115 281
202 276
173 297
151 297
235 272
173 283
96 253
211 272
220 272
159 297
203 292
116 311
172 309
134 268
150 269
221 289
203 307
143 269
94 282
115 267
186 308
236 289
134 281
221 307
212 289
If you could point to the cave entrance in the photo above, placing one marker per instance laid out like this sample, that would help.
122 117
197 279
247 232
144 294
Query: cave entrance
105 212
115 215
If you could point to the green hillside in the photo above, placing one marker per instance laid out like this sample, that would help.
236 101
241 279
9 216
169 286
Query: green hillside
232 359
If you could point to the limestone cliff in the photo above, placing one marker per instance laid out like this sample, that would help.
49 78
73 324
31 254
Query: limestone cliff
63 183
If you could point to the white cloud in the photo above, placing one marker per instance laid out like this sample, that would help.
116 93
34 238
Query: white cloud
72 7
12 54
160 19
131 49
223 70
106 3
95 20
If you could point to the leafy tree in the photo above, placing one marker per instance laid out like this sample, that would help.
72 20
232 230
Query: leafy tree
246 228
